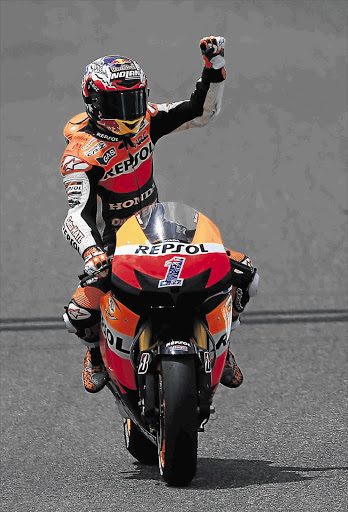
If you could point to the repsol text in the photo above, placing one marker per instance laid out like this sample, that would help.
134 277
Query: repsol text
170 248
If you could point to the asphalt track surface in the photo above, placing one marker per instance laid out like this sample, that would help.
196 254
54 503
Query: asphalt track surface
276 443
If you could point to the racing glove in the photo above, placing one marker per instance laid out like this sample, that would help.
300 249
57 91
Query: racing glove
95 259
243 295
213 49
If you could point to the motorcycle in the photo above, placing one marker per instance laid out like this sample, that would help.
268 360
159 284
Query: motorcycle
165 325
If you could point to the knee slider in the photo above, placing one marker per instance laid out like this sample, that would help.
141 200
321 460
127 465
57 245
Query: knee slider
83 322
81 317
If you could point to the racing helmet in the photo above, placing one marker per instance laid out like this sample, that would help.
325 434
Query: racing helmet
114 89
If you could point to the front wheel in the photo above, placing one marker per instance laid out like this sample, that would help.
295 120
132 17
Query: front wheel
177 443
137 444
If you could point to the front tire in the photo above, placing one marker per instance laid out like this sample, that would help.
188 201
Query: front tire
178 436
138 445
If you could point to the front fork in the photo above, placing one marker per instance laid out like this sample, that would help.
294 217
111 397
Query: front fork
149 371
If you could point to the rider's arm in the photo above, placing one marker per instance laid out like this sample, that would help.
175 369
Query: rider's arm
203 105
80 180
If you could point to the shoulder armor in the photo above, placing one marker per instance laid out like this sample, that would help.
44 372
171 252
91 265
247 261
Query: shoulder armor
74 125
85 151
72 163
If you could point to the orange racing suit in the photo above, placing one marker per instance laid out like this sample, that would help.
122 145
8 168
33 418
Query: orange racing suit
108 178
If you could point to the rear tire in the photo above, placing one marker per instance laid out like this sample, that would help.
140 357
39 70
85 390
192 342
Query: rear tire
138 445
178 436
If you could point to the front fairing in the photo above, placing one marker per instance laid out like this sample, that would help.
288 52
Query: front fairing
169 251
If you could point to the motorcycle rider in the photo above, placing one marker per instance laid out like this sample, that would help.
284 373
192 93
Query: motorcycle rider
107 171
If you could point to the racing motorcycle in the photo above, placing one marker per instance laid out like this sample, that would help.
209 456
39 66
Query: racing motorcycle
165 325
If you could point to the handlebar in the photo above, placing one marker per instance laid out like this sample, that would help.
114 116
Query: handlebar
243 268
84 278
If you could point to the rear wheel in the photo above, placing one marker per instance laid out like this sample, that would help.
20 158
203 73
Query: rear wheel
138 445
178 436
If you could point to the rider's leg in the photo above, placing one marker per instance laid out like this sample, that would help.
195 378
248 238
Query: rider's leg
232 376
82 317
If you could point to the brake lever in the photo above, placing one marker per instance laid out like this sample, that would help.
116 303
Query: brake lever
242 267
86 277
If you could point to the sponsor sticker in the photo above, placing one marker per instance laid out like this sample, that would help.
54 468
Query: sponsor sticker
172 278
141 138
89 143
105 136
177 346
73 163
74 230
129 165
111 305
106 157
134 201
96 148
117 342
118 222
144 363
97 66
73 188
127 75
177 342
120 61
170 248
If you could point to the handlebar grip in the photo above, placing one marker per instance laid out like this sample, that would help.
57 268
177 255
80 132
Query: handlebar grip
86 277
243 268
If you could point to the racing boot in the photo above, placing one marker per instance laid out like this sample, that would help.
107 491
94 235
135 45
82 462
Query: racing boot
232 376
94 375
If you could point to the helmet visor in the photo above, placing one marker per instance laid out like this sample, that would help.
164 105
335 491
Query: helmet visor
123 105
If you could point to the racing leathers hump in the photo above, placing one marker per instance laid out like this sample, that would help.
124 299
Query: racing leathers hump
109 178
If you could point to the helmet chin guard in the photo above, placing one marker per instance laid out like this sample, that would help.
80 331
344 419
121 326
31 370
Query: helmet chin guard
120 127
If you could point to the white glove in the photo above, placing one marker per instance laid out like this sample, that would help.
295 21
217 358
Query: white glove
213 50
95 259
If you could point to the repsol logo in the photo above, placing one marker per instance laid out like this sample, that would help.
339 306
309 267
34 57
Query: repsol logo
105 136
169 248
128 166
70 240
74 189
115 343
133 202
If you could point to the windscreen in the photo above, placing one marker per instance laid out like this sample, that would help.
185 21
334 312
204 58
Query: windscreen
168 222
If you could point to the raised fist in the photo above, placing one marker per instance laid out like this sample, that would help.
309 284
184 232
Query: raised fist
213 48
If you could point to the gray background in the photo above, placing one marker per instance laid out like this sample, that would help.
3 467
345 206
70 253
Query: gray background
271 172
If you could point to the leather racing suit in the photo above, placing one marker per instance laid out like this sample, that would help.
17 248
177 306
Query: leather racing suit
108 178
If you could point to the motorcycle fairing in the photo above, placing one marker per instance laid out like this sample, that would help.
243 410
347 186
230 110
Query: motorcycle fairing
135 255
201 273
219 323
118 328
